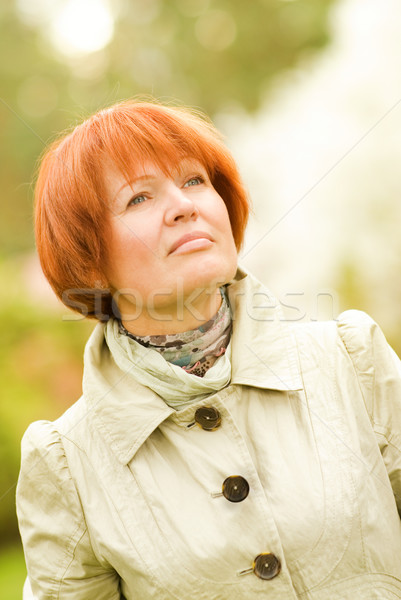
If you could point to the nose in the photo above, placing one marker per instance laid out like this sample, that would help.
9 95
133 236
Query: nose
179 206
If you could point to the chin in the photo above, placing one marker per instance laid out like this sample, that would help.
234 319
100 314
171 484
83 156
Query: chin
211 274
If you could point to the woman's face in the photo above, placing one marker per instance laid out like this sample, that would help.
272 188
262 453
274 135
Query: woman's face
171 240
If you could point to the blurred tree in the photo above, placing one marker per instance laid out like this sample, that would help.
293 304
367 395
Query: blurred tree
27 72
213 53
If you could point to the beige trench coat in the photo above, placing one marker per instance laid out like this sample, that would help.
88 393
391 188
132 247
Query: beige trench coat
116 498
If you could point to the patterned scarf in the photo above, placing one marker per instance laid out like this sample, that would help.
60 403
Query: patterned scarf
195 350
178 387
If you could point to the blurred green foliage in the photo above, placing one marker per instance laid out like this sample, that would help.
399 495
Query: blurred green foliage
12 572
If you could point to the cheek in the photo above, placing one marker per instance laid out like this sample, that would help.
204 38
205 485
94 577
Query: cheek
218 212
126 252
223 220
128 242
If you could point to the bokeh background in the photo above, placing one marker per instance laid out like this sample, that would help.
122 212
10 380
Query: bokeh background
308 95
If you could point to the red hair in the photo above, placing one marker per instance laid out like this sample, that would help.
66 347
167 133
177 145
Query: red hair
71 200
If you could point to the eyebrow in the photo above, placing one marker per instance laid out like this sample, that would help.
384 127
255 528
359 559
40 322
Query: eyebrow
181 168
129 183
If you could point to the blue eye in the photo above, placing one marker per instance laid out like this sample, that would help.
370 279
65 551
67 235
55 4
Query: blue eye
194 181
137 200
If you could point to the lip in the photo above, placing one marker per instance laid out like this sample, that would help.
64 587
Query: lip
190 237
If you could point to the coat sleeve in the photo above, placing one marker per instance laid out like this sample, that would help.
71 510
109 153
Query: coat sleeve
60 561
378 369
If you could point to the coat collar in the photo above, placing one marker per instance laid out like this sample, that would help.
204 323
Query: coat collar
263 355
264 352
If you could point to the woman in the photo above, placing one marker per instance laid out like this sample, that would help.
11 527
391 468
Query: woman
217 451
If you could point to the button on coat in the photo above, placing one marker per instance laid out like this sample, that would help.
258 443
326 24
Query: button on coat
208 418
235 488
266 566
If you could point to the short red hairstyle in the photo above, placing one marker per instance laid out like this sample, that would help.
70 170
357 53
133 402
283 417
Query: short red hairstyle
71 204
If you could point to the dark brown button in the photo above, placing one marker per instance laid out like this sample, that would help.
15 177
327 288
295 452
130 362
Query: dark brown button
266 565
208 418
235 488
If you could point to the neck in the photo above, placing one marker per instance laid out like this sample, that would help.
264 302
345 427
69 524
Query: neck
185 315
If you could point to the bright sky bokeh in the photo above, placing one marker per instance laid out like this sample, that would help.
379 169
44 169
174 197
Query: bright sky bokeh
74 27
